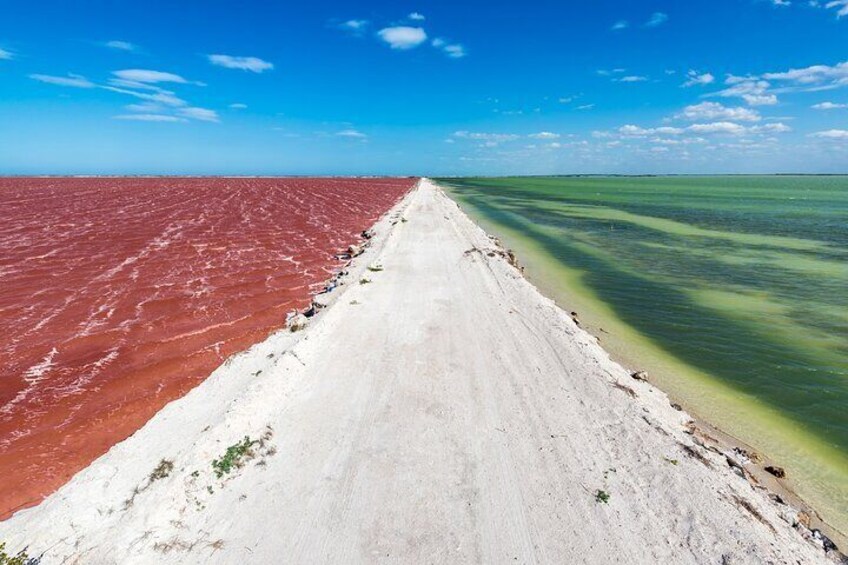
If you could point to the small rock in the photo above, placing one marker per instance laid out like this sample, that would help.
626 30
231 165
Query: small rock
354 250
777 498
677 407
640 375
776 471
804 519
298 323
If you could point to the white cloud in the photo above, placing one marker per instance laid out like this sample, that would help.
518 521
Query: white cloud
840 5
356 27
150 118
731 128
76 81
716 111
158 96
636 131
728 128
832 134
416 17
238 106
771 128
489 138
253 64
759 90
544 135
351 133
148 76
781 2
201 114
403 37
5 55
667 135
693 78
619 25
828 106
146 108
657 19
631 78
121 45
815 75
586 107
452 50
752 90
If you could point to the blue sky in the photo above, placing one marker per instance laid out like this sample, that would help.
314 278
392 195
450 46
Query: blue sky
435 88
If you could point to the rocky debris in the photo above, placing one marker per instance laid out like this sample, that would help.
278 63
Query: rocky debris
355 250
640 376
320 301
677 407
367 234
778 472
297 323
748 455
575 318
364 280
375 267
734 464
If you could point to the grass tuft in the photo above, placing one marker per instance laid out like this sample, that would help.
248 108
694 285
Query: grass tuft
20 558
234 457
162 470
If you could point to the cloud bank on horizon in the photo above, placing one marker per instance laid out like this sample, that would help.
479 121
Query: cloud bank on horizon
376 88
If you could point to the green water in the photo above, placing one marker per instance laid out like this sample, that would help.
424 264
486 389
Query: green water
732 291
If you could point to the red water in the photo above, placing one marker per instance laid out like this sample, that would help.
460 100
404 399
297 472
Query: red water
118 295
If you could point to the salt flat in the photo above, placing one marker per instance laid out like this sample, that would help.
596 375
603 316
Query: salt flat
444 412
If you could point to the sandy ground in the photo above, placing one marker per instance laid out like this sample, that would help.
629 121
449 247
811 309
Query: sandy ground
445 412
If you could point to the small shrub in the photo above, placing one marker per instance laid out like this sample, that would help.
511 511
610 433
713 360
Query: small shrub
234 457
162 470
602 496
20 558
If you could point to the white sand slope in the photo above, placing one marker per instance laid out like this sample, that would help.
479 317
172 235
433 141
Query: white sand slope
444 413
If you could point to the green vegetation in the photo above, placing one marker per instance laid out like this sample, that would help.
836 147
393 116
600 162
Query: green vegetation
234 457
730 291
162 470
20 558
602 496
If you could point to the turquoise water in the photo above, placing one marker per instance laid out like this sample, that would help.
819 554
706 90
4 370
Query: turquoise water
733 290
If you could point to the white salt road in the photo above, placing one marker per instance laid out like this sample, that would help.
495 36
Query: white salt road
444 413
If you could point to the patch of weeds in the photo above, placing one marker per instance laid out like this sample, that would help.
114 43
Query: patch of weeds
375 267
20 558
608 471
162 470
210 490
602 496
257 373
234 457
672 461
216 545
403 220
364 280
195 474
355 302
